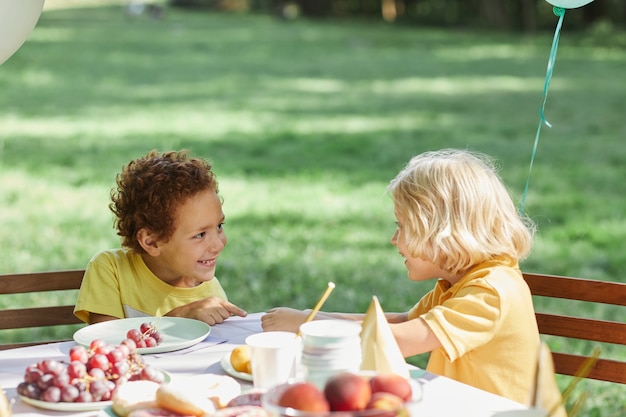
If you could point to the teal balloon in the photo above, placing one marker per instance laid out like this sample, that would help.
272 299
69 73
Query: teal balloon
569 4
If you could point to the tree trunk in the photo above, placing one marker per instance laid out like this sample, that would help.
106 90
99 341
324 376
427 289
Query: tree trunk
494 13
529 15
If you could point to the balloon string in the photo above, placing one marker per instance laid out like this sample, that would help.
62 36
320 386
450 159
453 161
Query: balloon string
558 11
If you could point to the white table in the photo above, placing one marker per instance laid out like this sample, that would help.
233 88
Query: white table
442 396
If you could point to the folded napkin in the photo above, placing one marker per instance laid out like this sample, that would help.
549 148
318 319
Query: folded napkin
5 409
546 395
380 350
206 343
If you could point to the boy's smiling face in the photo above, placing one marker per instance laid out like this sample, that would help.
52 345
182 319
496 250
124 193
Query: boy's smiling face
190 255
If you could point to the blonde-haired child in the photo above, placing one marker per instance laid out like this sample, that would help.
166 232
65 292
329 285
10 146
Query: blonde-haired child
457 223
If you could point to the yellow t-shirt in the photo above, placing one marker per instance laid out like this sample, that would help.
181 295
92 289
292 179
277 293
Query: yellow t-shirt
118 283
487 327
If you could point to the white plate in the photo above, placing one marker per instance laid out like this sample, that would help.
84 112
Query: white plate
61 406
228 367
178 333
107 412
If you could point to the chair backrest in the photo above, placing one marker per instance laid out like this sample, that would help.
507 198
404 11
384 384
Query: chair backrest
583 328
38 316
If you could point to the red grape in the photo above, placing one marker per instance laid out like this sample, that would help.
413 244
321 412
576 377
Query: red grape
69 393
116 355
90 374
99 361
96 343
52 394
76 369
134 334
79 353
146 328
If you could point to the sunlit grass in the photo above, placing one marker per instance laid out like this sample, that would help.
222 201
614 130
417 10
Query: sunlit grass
305 123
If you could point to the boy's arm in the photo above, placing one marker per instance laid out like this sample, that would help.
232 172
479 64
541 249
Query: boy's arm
97 318
211 310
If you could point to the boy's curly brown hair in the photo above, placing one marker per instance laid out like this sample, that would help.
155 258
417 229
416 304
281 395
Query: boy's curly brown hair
151 188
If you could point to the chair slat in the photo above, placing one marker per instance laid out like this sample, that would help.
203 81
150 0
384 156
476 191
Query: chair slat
6 346
603 370
581 328
606 292
37 317
41 281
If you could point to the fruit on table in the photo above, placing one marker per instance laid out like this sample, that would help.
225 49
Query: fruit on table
392 383
384 401
347 392
304 396
5 410
146 336
240 359
134 395
350 392
90 374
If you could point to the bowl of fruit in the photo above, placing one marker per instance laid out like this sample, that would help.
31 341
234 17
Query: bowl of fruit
345 394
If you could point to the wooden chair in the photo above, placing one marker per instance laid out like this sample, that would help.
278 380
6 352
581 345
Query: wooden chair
38 316
605 331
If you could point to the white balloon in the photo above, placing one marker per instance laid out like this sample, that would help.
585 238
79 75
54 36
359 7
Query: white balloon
569 4
17 20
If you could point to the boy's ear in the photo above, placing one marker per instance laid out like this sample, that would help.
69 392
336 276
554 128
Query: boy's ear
148 242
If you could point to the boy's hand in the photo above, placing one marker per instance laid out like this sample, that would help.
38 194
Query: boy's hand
211 310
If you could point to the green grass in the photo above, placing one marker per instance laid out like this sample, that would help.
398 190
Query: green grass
306 122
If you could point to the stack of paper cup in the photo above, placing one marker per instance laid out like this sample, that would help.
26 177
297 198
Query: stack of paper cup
328 348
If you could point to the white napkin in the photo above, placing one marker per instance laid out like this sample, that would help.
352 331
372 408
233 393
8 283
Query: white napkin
546 394
5 409
206 343
380 350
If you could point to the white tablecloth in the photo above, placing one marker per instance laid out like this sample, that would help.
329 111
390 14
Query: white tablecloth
442 397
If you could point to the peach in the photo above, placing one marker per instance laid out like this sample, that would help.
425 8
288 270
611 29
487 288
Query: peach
385 401
303 396
392 383
347 392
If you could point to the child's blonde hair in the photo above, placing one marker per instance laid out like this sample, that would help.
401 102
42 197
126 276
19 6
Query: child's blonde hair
457 212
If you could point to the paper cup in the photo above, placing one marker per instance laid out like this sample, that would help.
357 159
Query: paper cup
272 358
330 332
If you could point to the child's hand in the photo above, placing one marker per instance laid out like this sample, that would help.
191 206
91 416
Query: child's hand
211 310
283 319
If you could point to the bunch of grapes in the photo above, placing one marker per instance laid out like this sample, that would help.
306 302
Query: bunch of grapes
90 375
146 336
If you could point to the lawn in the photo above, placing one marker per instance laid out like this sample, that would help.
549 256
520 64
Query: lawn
306 122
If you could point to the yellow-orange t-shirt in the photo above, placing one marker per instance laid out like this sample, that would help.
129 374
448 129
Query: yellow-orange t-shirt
118 283
487 328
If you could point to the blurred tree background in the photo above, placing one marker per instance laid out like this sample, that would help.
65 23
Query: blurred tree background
509 15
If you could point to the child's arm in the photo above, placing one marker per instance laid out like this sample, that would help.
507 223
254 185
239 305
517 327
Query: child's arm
97 318
289 319
211 310
414 337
